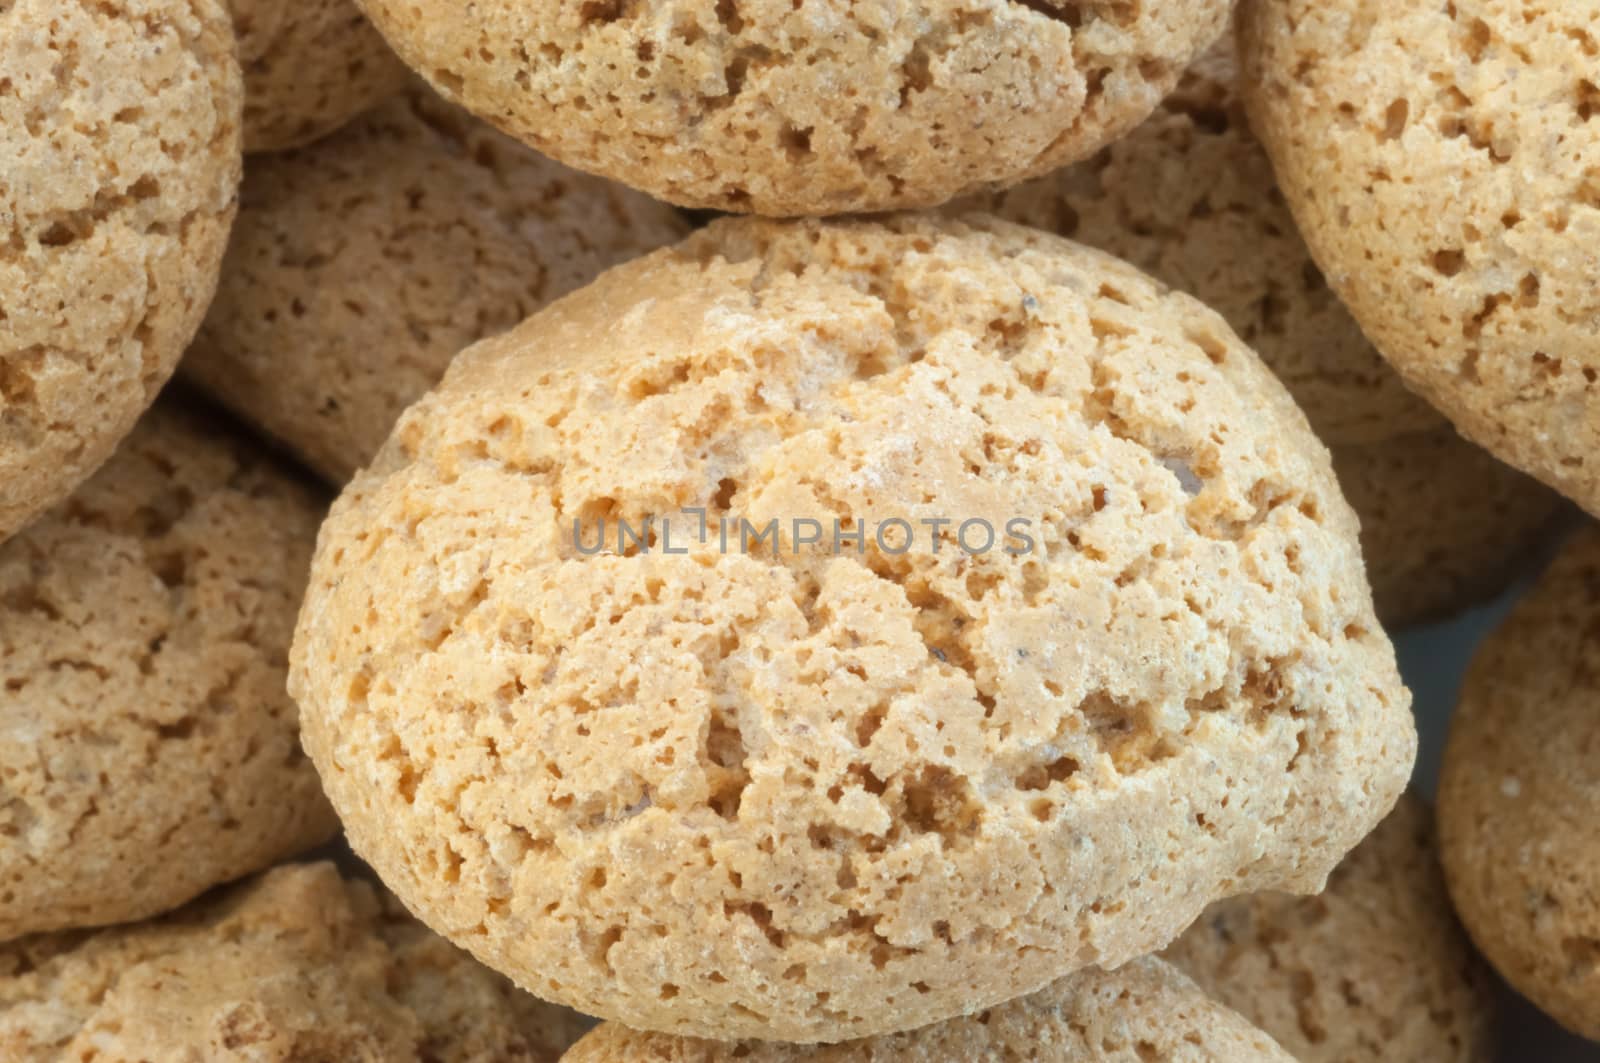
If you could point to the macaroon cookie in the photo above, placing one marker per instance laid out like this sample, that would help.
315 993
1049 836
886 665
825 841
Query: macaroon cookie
1142 1011
309 67
759 784
1374 968
148 749
298 964
1519 793
1444 524
1189 196
1443 162
361 265
119 127
764 106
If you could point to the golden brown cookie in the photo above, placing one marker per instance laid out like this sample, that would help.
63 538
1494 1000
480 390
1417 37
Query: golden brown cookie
1375 968
1145 1010
1444 525
297 964
147 747
1519 793
783 792
361 265
1443 160
119 131
778 108
309 67
1189 196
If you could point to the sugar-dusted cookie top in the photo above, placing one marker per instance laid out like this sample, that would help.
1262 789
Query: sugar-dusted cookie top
809 790
119 131
1144 1010
297 964
1443 161
148 749
309 67
361 265
818 108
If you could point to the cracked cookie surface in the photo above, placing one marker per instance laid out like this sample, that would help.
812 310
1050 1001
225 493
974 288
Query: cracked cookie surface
1144 1010
119 127
148 749
309 67
1519 793
1374 968
295 965
782 793
777 108
1443 161
361 265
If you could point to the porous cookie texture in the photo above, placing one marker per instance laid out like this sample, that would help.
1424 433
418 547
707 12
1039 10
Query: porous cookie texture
1144 1010
119 127
361 265
148 749
1444 525
783 792
298 964
309 67
1190 197
776 108
1519 793
1443 161
1375 968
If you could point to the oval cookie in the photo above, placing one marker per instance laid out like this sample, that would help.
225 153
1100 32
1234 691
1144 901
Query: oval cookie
774 789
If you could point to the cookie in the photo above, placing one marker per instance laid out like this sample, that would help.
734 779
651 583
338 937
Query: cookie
1443 161
119 127
1375 968
1519 793
309 67
1190 197
1443 524
147 747
767 107
808 788
361 265
1144 1010
297 964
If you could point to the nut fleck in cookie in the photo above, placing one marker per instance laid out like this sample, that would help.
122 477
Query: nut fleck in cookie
147 747
1519 793
298 964
1190 197
1375 968
361 265
1443 161
309 67
1144 1010
780 108
119 131
813 790
1444 525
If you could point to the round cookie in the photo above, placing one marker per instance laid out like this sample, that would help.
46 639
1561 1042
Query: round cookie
1444 525
1190 197
119 127
147 747
1142 1011
774 108
1374 968
309 67
361 265
297 964
1519 793
782 792
1443 161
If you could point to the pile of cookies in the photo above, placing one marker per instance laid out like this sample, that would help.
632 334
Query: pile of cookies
788 530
